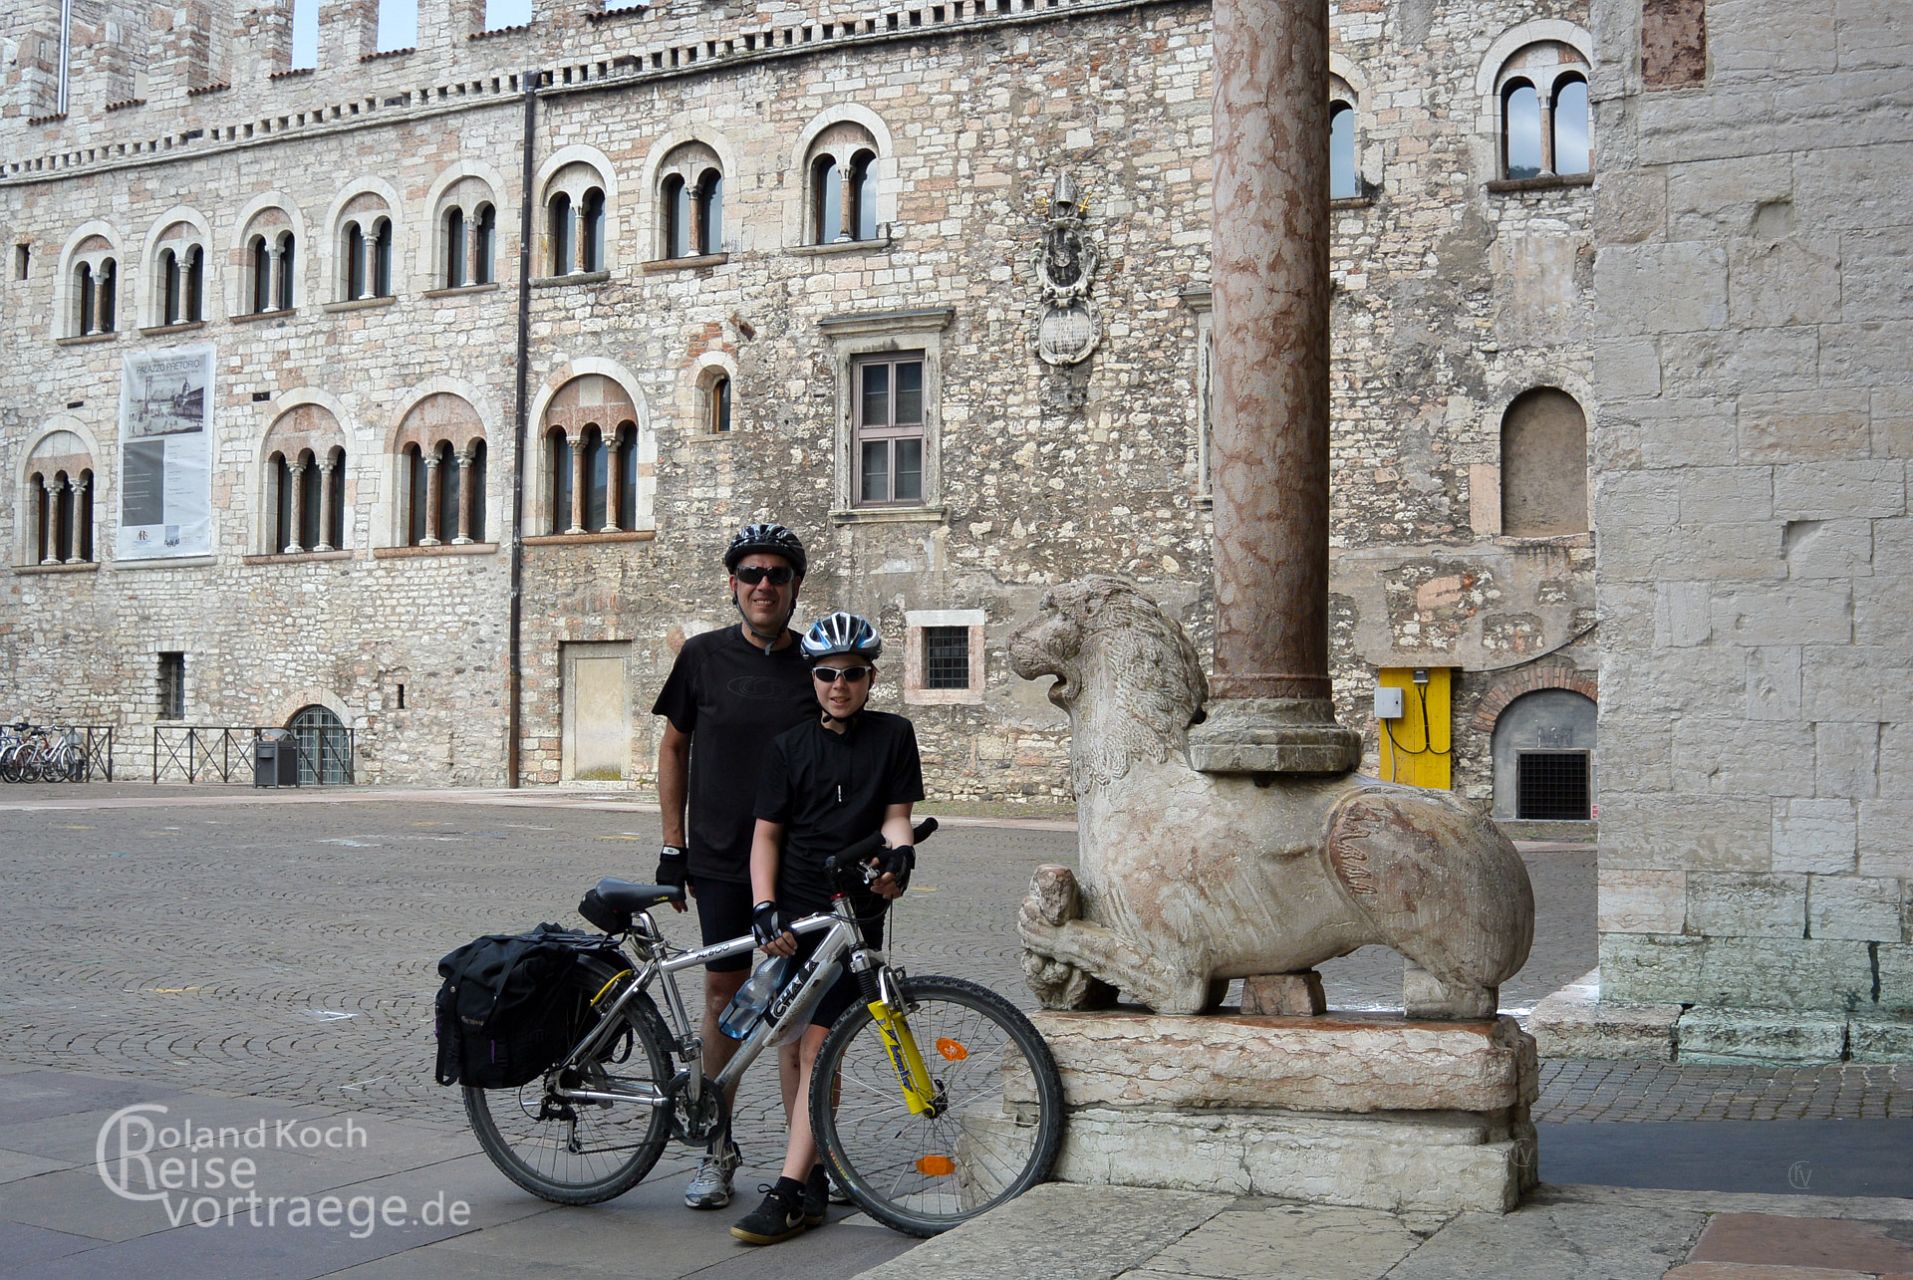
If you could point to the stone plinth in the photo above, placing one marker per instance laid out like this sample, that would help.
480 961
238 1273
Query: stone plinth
1375 1111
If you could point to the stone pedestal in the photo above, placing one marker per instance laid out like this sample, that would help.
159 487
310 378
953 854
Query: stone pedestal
1365 1110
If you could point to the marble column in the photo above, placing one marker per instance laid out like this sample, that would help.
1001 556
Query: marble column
578 480
270 270
368 264
1271 710
76 547
464 537
434 502
328 478
613 482
50 522
295 477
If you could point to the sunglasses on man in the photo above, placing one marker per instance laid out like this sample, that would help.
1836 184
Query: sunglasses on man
752 574
831 675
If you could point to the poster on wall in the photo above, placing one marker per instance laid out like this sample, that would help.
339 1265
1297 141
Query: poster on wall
166 420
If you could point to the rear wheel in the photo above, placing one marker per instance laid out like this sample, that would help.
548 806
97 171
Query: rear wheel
574 1152
999 1118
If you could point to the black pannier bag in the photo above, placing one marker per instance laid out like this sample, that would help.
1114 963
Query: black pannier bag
505 1013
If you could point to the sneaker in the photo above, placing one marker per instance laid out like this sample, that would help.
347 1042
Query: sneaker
780 1217
838 1195
711 1185
816 1197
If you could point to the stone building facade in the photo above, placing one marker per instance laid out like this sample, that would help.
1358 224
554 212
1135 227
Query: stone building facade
1756 418
780 263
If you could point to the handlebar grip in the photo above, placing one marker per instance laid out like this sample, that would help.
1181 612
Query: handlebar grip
924 830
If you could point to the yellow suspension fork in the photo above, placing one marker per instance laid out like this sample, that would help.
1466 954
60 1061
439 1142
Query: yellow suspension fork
919 1092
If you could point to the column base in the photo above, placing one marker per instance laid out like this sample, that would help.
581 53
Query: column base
1273 735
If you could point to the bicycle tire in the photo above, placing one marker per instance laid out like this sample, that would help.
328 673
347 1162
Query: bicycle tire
604 1149
10 762
998 1132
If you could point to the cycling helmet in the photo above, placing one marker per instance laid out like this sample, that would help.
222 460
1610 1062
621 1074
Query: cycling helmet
841 632
772 538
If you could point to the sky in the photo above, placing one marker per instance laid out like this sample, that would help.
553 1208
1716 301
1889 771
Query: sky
398 25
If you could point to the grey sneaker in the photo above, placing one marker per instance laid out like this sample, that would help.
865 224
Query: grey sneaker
711 1186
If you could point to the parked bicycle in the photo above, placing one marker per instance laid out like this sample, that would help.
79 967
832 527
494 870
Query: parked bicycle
36 753
932 1100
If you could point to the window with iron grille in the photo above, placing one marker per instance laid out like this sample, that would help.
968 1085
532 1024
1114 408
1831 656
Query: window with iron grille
887 399
946 657
1552 786
172 686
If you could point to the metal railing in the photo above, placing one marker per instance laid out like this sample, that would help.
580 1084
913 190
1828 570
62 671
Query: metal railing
206 752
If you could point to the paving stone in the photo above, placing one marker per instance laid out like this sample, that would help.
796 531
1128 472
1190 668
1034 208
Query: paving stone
1316 1241
1773 1240
1559 1242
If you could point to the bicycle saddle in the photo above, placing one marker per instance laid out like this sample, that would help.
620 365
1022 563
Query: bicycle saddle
628 895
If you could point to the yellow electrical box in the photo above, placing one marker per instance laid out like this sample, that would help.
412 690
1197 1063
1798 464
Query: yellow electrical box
1417 747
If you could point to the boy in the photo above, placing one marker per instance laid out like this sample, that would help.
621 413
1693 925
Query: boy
826 784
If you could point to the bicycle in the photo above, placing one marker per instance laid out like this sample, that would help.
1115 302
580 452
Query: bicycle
932 1100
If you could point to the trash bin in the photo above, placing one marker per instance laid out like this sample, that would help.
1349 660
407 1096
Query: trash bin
275 760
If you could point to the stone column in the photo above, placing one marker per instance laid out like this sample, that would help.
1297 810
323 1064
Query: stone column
577 484
271 282
78 486
846 219
434 502
328 478
1271 710
613 483
295 477
50 522
368 264
464 537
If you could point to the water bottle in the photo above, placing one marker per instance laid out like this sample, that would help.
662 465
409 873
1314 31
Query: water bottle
746 1008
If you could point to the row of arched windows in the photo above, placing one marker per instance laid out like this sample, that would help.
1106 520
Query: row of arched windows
62 516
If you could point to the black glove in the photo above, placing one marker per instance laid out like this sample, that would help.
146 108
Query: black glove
767 923
671 867
899 862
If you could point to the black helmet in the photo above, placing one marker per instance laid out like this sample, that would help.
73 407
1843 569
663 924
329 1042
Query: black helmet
841 632
773 539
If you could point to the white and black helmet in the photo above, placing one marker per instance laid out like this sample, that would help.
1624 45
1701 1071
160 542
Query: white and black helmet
841 633
772 539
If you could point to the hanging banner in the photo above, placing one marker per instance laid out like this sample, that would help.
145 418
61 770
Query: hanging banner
166 421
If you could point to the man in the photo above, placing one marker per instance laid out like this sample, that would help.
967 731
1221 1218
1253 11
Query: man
730 693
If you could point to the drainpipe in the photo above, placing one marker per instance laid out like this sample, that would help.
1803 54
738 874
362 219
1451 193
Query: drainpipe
515 675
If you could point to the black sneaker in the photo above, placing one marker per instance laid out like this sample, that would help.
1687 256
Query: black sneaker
816 1197
780 1217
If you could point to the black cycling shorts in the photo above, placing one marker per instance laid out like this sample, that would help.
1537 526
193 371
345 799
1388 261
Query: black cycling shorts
723 913
844 992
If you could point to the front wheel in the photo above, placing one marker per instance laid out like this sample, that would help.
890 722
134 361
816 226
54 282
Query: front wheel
998 1118
573 1152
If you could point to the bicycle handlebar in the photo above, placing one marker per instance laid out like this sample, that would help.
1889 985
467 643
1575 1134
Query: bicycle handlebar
845 861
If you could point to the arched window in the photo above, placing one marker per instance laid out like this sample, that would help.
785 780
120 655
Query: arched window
354 250
169 288
109 288
1542 113
558 462
718 404
259 263
304 481
1573 150
441 454
177 286
827 201
591 477
1543 752
591 231
454 248
1544 489
58 502
196 283
676 202
484 243
287 271
1343 181
841 171
323 745
83 285
559 217
1521 130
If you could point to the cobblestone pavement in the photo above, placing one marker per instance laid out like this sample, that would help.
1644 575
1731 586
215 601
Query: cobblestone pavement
285 945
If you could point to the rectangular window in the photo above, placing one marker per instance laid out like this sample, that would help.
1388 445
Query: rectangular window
22 256
1552 786
887 395
172 686
946 657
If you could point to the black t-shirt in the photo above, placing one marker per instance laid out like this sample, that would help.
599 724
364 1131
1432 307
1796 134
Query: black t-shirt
830 790
733 699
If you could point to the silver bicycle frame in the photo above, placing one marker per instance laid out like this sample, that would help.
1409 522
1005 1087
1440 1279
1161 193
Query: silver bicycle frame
843 937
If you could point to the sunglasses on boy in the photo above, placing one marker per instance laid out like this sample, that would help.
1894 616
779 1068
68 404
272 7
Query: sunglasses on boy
831 675
752 574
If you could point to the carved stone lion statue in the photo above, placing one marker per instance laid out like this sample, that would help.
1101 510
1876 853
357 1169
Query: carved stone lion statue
1190 879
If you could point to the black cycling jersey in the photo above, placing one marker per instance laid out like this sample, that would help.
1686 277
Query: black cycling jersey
830 790
732 698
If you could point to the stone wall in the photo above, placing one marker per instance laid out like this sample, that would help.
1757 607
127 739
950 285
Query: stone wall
1751 445
1455 294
